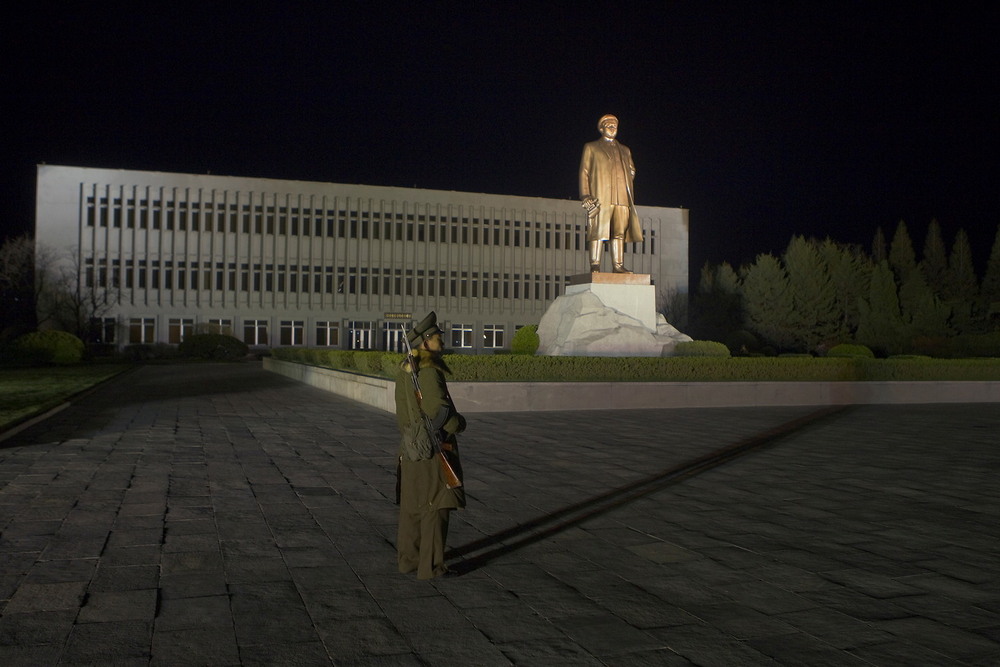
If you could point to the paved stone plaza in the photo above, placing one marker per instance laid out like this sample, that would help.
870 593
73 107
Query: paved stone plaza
222 515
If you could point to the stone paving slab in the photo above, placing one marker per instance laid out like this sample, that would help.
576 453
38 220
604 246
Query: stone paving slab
219 514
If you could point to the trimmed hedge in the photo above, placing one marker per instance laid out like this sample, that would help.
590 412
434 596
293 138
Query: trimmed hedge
525 368
365 362
848 350
701 348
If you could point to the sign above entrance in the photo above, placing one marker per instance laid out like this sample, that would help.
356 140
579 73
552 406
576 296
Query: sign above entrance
397 316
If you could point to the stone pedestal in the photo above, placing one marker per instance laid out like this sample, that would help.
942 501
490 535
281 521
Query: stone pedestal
631 294
607 315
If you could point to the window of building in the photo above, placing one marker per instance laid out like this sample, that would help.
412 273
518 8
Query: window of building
255 332
179 329
328 334
461 335
292 332
220 325
142 330
103 329
492 335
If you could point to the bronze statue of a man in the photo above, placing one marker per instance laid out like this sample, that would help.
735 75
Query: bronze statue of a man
606 173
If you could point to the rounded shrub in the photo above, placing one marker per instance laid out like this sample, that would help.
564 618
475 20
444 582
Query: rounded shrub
48 347
700 348
850 350
213 346
525 340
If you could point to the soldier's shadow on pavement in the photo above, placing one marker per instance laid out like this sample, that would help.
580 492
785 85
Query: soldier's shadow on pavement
543 527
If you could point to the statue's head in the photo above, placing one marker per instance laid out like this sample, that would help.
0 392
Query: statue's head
608 126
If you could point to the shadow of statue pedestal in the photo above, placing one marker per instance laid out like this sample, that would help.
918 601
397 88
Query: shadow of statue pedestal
607 315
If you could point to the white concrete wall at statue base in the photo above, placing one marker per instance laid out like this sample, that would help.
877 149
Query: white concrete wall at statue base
582 324
636 301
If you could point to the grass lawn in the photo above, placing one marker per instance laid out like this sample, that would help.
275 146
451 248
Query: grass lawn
26 392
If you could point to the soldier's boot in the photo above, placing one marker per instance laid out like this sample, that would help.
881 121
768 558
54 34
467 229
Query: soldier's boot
594 250
618 255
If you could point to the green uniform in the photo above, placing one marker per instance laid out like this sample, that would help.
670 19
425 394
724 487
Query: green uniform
425 501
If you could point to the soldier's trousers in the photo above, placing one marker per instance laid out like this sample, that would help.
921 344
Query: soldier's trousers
420 542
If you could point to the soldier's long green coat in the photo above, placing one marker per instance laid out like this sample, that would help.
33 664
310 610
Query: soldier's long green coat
422 487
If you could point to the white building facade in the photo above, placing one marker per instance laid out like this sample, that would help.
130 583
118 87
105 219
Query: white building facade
278 262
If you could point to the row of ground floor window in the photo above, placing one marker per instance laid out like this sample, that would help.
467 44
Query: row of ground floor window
386 334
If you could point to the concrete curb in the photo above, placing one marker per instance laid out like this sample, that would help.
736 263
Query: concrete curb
31 421
543 396
28 422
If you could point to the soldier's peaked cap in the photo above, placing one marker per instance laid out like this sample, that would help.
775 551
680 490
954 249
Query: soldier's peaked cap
423 329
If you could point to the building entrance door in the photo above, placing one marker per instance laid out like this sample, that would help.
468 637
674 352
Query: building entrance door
361 335
393 334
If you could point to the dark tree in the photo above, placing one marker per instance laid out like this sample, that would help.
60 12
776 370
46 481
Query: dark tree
990 289
880 251
924 315
814 320
961 288
716 308
17 287
902 257
768 304
934 263
881 326
850 272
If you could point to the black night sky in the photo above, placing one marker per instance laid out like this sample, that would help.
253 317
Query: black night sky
765 119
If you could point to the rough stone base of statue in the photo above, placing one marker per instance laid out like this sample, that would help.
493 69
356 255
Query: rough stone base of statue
607 315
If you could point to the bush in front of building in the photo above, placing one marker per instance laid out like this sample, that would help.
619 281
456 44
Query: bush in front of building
366 362
701 348
46 347
216 346
850 350
525 340
369 362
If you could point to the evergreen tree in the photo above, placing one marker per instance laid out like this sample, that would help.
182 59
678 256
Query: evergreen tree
990 290
934 263
19 286
879 250
881 325
961 288
716 310
814 319
707 281
902 258
923 313
850 272
726 279
768 306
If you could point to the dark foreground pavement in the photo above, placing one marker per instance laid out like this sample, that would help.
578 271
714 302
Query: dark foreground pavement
221 515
